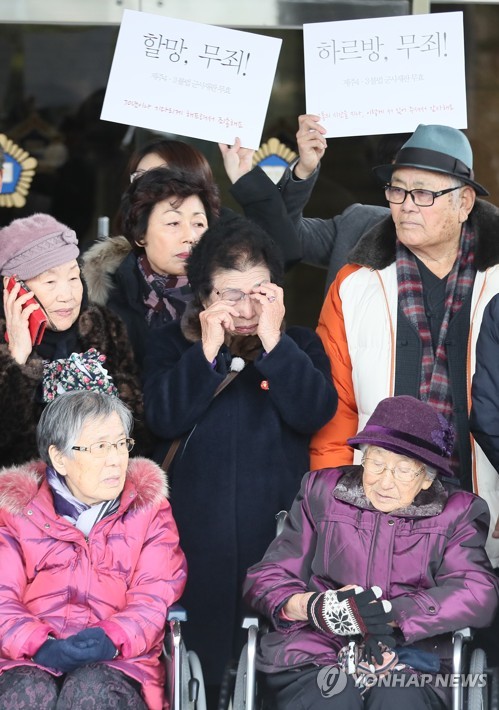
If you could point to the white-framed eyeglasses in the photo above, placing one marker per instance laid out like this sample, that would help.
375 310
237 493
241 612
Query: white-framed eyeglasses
401 472
102 448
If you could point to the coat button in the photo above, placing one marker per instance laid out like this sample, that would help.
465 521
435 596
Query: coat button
432 610
391 522
47 525
30 512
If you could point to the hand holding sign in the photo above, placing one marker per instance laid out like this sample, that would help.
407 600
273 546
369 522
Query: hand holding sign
237 160
311 145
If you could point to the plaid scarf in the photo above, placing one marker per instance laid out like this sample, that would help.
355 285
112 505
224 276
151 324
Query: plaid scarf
434 384
166 297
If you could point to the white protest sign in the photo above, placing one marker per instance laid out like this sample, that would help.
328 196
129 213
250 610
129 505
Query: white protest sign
191 79
386 75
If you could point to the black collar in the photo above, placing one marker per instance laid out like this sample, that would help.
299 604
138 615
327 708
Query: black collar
376 248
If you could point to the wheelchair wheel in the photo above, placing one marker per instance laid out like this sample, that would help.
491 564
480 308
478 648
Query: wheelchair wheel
239 702
477 697
227 686
196 676
245 691
192 690
494 689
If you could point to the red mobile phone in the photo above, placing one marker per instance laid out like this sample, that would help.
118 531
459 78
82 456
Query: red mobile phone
37 320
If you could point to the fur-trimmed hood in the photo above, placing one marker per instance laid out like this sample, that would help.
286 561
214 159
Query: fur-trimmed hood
376 249
349 489
19 485
100 262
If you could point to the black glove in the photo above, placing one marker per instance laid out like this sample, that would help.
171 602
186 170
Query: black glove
375 645
350 612
66 655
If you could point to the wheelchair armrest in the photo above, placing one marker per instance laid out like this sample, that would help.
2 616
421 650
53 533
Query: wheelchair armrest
176 613
280 520
465 633
249 621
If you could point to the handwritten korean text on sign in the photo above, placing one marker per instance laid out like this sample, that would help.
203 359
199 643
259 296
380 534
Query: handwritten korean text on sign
386 75
191 79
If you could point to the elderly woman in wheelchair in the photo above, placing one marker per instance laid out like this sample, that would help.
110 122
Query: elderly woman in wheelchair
387 554
90 563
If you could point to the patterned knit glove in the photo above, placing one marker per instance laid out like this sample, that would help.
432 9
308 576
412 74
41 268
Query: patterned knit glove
350 612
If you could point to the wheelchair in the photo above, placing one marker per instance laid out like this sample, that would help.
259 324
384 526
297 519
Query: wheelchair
184 675
473 696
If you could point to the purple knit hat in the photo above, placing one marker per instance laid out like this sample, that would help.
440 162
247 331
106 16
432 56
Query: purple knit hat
412 428
31 245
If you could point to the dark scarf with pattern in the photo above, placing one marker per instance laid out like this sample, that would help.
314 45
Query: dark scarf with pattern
165 296
434 383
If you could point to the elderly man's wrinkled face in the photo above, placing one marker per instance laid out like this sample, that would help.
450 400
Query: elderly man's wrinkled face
384 489
90 478
428 230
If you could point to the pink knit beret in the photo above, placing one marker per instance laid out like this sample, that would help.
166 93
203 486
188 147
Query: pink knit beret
31 245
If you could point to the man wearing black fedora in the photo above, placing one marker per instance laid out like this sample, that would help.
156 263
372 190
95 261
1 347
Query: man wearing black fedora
403 316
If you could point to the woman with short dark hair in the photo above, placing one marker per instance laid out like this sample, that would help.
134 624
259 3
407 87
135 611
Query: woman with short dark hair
141 275
148 294
243 449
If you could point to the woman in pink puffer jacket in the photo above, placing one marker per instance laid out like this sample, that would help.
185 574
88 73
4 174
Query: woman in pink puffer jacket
90 563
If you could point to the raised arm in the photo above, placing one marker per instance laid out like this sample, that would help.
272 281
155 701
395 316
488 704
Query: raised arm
261 200
324 242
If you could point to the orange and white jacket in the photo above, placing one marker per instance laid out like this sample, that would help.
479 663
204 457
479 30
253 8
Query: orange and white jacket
358 325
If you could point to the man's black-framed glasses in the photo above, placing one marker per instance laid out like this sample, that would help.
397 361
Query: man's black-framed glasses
421 198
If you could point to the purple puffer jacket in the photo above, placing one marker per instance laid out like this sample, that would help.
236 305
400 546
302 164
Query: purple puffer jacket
428 559
122 578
